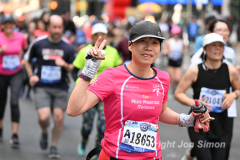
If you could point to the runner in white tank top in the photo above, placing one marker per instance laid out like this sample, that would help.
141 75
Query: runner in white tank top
220 27
174 47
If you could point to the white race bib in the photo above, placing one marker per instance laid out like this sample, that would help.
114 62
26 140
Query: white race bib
51 74
11 62
214 97
139 137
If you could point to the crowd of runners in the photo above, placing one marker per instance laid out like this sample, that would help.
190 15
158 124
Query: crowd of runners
108 61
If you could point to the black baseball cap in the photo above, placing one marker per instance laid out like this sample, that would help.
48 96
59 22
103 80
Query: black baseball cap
8 18
145 29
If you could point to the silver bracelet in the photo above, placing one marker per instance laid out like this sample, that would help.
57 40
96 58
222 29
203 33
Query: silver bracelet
185 120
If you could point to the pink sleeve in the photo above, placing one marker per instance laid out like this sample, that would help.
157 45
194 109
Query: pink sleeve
166 87
103 85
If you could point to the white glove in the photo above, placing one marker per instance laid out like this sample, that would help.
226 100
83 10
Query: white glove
92 64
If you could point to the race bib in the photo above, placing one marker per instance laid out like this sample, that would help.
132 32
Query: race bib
11 62
139 137
214 97
51 74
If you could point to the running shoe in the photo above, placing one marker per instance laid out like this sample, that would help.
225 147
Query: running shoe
53 154
14 141
81 149
44 141
95 157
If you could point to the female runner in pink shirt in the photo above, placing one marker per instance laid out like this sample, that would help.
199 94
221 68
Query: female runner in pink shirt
11 45
134 98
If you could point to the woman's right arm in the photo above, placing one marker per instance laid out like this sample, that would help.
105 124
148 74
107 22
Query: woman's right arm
187 80
81 99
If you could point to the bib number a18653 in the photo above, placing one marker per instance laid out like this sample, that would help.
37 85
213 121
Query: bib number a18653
139 137
214 97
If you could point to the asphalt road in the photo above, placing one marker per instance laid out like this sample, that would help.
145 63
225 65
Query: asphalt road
29 133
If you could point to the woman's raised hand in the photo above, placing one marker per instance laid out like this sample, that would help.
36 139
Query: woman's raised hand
93 58
97 49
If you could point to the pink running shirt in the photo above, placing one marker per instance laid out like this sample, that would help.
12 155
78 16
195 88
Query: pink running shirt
10 61
126 97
